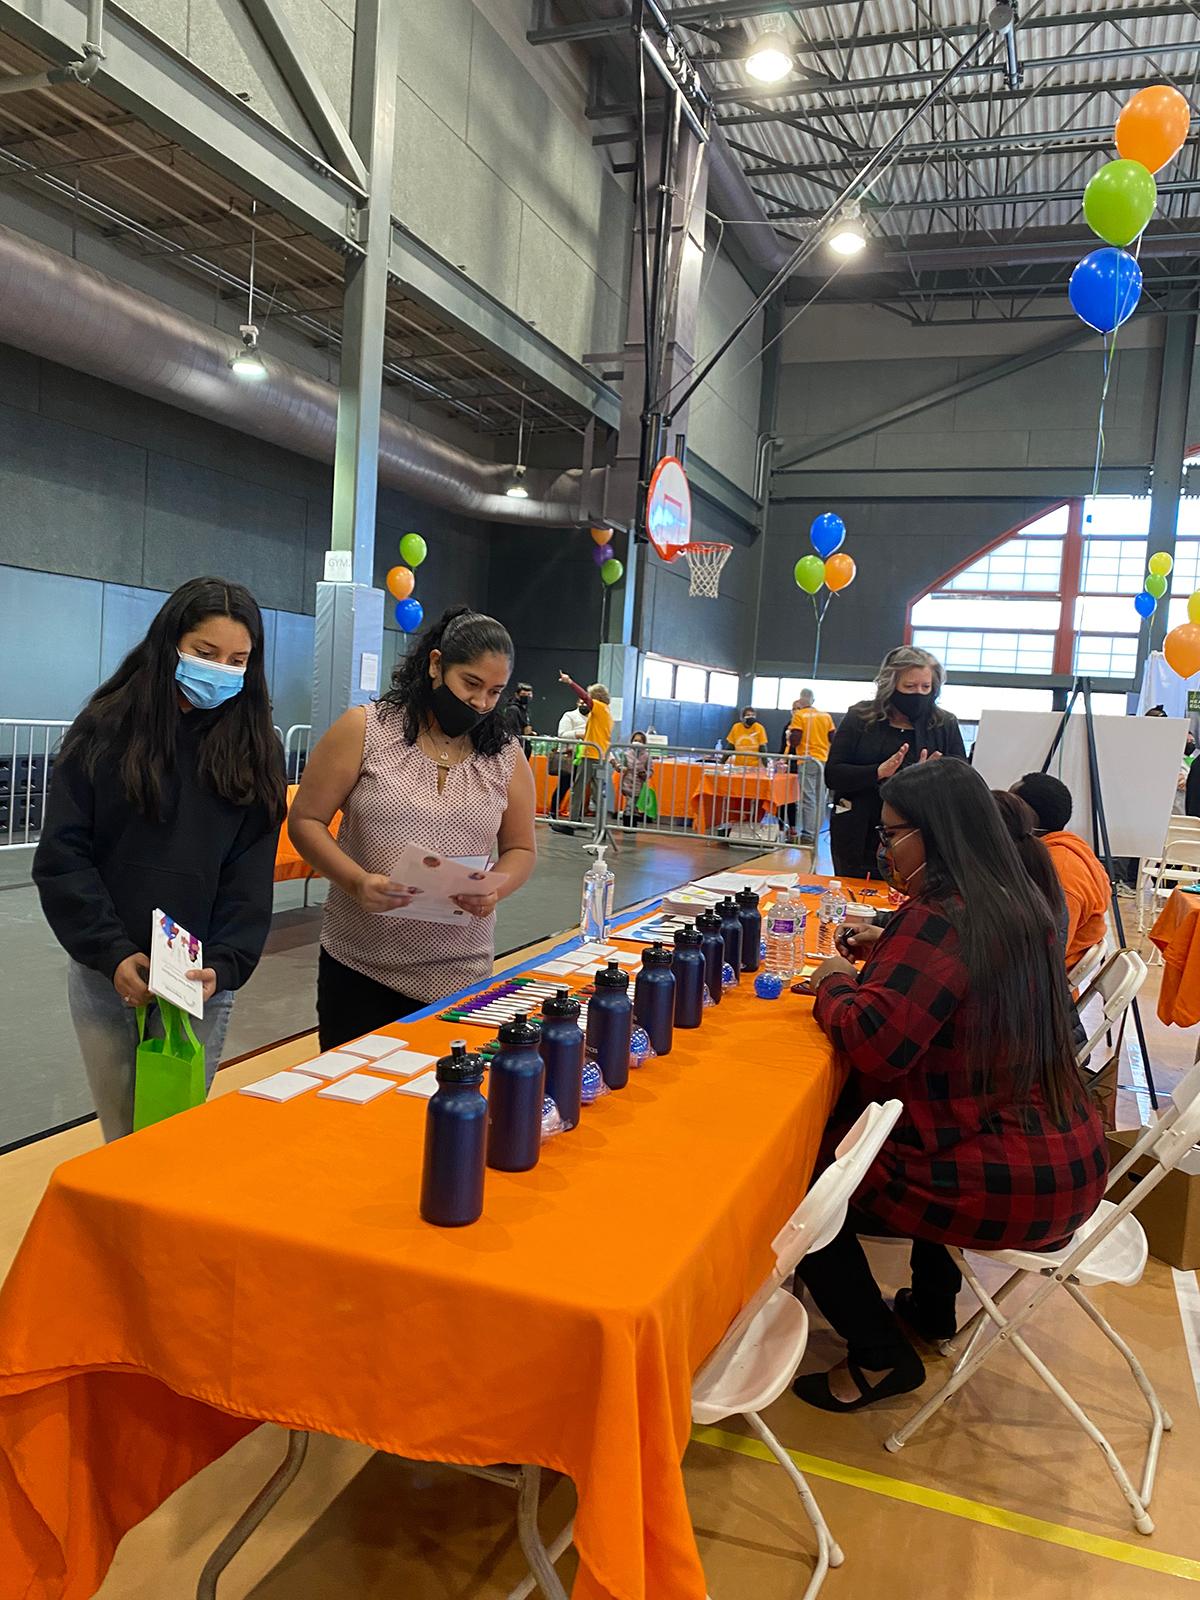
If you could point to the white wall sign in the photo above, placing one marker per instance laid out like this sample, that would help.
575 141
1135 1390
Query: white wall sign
339 566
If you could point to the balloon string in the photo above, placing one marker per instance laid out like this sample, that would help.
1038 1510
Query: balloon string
1110 345
820 617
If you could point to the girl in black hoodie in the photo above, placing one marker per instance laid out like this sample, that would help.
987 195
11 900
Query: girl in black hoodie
168 794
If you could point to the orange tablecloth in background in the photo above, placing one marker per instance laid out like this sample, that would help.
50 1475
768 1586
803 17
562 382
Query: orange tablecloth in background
249 1261
728 791
288 864
1177 935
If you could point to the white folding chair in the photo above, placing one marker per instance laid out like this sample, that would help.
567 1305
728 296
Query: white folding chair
1089 964
1115 985
1180 830
757 1359
1110 1248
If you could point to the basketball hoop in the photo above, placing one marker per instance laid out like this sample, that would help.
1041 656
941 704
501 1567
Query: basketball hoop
705 562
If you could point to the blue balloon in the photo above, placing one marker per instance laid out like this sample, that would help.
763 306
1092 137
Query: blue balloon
1105 288
827 533
1145 604
410 614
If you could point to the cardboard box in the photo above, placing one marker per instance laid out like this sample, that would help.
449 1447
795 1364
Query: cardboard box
1171 1213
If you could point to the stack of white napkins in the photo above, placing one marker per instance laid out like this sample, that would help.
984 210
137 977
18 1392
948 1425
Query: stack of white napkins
340 1071
281 1086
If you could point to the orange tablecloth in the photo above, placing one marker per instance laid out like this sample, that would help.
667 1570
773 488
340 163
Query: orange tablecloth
288 863
727 793
250 1261
1177 935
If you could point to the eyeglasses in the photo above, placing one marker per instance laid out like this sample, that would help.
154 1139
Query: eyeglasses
885 833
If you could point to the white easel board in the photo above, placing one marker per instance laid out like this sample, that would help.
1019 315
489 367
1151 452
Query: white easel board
1139 760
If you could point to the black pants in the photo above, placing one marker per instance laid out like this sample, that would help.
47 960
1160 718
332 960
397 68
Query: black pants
840 1281
349 1004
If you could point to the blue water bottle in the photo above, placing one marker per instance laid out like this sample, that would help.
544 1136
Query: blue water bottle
688 966
654 997
515 1099
562 1050
712 947
610 1024
731 932
456 1120
751 920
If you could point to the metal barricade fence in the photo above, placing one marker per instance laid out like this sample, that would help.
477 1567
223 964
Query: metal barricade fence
27 751
679 790
295 749
557 764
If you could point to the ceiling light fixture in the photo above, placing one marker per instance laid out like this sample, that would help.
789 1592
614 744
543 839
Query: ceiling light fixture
515 488
248 363
848 237
769 60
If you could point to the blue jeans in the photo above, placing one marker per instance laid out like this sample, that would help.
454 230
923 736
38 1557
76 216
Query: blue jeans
812 772
106 1029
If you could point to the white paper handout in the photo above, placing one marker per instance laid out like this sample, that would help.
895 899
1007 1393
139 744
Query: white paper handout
374 1045
432 881
358 1088
173 954
281 1086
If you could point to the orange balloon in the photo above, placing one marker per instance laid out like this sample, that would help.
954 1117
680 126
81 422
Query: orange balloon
1182 649
401 583
839 571
1153 126
601 535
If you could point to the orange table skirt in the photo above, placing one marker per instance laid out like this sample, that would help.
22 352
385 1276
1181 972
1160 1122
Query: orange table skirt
250 1261
733 794
289 865
1177 935
671 780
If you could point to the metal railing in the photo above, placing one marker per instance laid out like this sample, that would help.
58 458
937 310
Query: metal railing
295 749
27 750
682 791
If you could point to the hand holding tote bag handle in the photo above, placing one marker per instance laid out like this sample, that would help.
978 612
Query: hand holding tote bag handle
169 1072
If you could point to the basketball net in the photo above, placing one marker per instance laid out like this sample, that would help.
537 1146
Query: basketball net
705 562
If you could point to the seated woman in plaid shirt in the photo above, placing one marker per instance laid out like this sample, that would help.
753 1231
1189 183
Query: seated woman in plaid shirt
963 1012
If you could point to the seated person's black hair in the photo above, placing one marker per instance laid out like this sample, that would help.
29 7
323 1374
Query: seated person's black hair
1050 799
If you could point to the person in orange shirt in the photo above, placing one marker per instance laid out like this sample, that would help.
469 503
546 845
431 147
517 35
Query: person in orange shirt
597 736
1085 883
747 739
806 742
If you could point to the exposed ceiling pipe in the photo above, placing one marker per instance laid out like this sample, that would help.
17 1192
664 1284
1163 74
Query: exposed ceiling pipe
69 313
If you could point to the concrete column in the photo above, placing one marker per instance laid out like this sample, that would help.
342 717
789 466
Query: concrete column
1170 442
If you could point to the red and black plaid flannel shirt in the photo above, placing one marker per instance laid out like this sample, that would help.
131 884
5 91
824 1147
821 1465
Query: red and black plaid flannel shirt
960 1167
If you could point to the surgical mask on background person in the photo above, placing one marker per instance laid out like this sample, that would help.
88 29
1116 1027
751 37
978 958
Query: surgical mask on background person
455 717
208 684
916 707
748 721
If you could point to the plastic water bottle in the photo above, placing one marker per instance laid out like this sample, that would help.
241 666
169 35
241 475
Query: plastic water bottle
831 913
731 932
785 935
561 1046
751 920
712 945
610 1024
688 967
515 1094
455 1142
595 911
654 997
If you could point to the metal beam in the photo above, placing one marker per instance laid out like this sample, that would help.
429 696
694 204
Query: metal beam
837 485
791 459
1047 141
1170 442
877 107
957 202
1003 253
306 88
143 75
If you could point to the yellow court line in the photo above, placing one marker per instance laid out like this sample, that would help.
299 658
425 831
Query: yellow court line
955 1505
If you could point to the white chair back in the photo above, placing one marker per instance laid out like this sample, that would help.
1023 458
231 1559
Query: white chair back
1170 1136
1088 965
1115 985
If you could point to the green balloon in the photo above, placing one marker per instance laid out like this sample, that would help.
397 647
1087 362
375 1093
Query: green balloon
809 573
1156 584
413 549
612 572
1119 201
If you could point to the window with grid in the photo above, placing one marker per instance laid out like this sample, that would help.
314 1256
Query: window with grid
1028 563
1112 571
1185 578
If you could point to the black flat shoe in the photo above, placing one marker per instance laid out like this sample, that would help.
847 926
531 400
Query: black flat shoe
814 1388
934 1327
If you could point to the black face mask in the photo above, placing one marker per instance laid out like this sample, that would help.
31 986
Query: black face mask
916 707
454 716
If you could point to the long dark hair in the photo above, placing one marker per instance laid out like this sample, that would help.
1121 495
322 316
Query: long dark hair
1022 1039
1021 821
135 715
462 636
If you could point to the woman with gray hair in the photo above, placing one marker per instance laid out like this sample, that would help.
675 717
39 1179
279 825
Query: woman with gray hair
901 726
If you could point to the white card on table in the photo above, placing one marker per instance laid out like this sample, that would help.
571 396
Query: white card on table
424 1086
173 954
404 1063
359 1088
374 1046
559 969
432 881
281 1086
333 1064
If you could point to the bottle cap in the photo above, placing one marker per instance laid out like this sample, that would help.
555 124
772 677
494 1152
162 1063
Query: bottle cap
656 955
748 897
562 1005
709 922
728 906
519 1030
688 938
612 977
460 1066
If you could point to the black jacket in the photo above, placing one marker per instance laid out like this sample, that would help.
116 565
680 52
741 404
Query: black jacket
102 868
858 750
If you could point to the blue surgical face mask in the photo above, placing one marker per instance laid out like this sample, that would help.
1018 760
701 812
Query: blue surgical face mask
208 684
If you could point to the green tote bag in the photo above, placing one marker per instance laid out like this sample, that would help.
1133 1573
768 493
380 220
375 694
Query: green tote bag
169 1073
